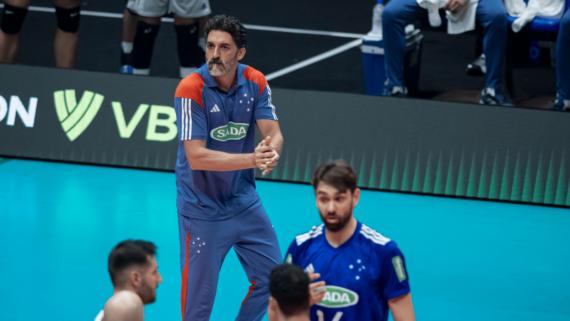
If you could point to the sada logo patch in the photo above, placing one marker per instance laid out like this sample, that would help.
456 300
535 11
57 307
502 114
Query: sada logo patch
231 131
337 297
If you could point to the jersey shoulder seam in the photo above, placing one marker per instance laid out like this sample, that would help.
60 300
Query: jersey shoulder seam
316 231
256 76
373 236
191 88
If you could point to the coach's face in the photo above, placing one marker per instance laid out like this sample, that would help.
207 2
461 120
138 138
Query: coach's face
222 53
150 280
335 207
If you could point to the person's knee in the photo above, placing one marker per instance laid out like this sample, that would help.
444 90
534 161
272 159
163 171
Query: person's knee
498 19
178 20
565 21
68 19
150 20
18 3
390 14
12 19
67 4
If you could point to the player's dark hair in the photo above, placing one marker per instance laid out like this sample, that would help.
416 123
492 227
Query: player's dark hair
230 25
337 174
128 254
289 285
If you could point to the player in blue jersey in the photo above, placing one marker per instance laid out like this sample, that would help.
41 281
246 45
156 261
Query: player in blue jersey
218 107
365 272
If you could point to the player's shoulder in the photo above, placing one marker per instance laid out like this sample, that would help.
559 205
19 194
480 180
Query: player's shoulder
305 238
100 316
191 87
252 74
374 238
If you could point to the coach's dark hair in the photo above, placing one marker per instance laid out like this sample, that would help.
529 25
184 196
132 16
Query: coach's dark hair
128 254
337 174
230 25
289 285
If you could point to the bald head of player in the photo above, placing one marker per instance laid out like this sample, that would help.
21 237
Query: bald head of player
226 39
134 273
290 299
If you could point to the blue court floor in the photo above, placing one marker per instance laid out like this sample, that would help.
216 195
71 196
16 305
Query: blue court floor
467 260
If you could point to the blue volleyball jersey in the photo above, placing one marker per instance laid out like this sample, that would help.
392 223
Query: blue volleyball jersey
361 275
226 120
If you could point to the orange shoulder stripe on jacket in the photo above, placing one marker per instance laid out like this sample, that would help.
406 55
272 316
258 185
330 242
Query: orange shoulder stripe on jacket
255 76
191 87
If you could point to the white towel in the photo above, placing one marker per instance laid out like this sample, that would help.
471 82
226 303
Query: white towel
462 21
432 6
552 9
459 23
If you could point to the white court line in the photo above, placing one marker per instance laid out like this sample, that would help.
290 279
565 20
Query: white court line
306 32
315 59
252 27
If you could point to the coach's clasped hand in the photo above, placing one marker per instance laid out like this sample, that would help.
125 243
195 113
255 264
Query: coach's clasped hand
265 156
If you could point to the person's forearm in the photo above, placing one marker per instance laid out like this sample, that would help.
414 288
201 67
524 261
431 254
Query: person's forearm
402 308
211 160
277 142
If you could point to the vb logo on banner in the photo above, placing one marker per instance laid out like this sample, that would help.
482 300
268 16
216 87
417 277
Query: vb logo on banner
76 117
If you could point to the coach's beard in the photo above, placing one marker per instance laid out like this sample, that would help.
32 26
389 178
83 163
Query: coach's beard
218 67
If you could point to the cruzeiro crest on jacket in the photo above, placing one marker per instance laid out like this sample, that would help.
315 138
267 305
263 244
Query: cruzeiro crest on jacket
231 131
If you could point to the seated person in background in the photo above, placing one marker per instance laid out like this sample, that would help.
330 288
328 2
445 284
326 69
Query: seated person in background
291 294
135 277
67 13
562 101
490 13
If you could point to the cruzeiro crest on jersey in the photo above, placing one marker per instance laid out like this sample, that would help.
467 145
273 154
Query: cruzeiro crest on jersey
337 297
231 131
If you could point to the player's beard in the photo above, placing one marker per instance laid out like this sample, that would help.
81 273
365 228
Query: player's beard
218 67
341 220
147 293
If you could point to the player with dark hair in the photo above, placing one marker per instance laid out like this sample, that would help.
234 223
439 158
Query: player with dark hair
365 272
67 13
134 273
187 15
217 108
289 287
291 293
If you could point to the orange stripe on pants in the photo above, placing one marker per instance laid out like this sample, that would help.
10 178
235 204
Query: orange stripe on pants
253 283
185 277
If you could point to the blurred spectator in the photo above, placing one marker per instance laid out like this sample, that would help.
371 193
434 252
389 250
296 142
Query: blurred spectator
66 36
562 101
188 30
490 13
